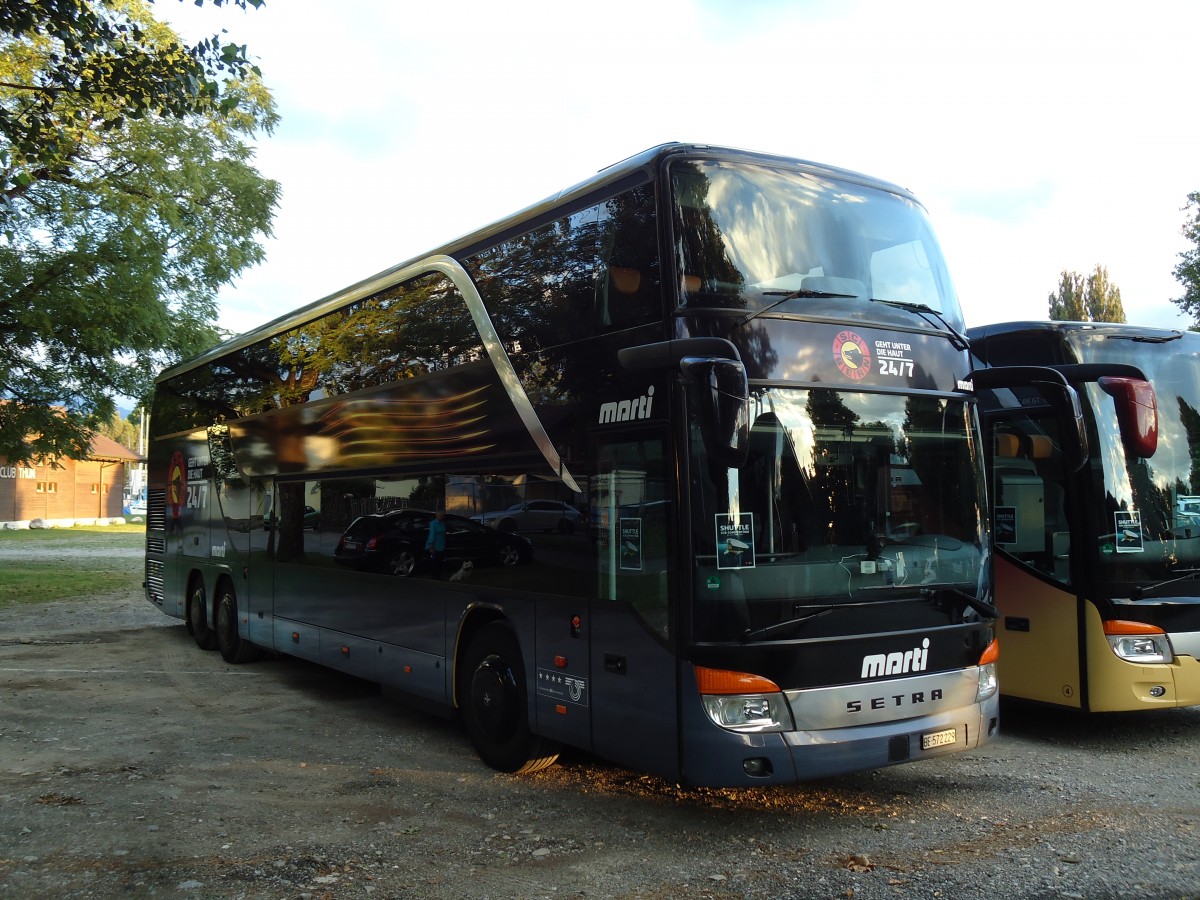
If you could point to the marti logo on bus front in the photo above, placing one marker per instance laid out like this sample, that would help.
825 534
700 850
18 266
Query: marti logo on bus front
899 663
627 410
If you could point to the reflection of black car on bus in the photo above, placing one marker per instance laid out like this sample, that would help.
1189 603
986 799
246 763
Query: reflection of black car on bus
394 542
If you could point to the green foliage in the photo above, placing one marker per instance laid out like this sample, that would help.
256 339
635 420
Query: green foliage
1086 299
77 66
127 206
123 431
1187 272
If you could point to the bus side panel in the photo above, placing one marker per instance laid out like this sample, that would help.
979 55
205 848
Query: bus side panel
560 673
1118 686
635 719
1038 628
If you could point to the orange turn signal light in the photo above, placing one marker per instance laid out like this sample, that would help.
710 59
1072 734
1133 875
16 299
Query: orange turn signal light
722 681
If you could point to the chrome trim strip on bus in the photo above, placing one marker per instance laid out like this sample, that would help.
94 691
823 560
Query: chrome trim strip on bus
872 702
1185 643
452 269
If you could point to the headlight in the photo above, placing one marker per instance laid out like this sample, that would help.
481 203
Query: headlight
740 701
749 712
988 683
1137 642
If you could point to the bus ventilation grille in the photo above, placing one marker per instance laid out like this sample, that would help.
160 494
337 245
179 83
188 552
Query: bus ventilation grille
154 581
156 510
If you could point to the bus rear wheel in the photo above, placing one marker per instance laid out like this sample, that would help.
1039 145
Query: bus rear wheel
234 648
197 617
494 705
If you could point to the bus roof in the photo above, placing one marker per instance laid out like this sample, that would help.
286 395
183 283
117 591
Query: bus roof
637 169
1068 329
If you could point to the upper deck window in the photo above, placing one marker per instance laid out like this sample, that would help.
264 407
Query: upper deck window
748 236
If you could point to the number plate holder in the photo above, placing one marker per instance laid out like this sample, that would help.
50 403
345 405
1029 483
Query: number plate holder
939 738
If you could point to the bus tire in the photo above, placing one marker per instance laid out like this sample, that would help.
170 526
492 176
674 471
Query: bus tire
234 648
197 617
494 704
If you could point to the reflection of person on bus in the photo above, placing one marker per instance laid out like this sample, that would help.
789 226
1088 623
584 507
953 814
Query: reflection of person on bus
435 543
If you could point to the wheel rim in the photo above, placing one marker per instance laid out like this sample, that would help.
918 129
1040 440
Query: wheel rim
403 564
509 556
197 613
226 620
494 699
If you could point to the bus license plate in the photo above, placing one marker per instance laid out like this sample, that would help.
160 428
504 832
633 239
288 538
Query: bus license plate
938 739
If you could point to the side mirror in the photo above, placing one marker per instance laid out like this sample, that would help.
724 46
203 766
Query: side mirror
714 371
1137 413
722 395
1058 393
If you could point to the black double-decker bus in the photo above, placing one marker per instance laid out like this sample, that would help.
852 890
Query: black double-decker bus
679 467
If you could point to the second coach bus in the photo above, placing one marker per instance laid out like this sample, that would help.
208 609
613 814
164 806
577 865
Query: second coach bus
1097 553
680 466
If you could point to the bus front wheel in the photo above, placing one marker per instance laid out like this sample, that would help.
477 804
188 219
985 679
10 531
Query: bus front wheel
234 648
197 617
495 712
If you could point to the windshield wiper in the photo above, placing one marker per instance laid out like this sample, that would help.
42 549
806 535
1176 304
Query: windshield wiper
1147 338
751 635
957 338
790 295
980 606
1140 591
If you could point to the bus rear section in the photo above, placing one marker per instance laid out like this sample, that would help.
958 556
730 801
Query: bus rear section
1098 550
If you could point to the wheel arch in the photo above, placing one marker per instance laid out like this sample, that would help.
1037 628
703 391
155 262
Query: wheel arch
211 580
473 619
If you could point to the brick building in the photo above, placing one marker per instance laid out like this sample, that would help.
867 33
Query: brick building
74 491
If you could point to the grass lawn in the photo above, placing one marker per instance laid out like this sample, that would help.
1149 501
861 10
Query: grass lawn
43 564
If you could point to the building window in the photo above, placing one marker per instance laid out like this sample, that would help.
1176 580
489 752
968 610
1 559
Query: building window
41 487
51 487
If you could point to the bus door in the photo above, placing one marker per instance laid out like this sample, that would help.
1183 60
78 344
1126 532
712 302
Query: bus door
1033 453
633 672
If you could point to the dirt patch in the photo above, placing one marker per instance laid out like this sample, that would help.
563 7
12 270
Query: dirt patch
134 764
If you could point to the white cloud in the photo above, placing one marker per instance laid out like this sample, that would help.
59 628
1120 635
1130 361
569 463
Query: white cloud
1042 136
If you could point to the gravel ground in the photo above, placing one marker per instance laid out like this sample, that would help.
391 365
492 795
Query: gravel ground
134 764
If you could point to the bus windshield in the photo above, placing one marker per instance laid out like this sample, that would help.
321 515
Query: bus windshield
845 500
1147 511
758 238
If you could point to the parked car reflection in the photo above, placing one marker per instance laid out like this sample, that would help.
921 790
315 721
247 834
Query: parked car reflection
394 542
535 515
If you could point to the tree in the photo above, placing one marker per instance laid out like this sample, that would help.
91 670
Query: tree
98 64
122 430
1086 299
1188 270
115 248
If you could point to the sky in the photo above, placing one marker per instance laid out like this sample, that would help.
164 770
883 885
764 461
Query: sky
1041 135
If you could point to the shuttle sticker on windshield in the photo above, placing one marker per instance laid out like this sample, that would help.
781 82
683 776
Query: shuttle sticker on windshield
735 540
631 545
852 355
1128 527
